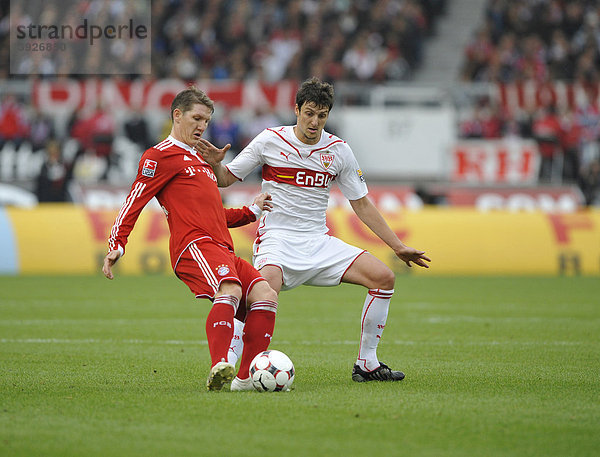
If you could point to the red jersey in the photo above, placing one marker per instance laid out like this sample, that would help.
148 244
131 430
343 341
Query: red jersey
186 188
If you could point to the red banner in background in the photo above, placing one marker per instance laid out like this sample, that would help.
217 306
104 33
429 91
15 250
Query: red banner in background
155 94
532 95
494 162
70 94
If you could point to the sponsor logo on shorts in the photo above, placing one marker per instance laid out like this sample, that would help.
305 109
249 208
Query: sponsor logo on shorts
149 168
327 160
261 263
222 270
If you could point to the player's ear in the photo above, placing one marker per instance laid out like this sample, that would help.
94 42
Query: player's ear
297 110
177 113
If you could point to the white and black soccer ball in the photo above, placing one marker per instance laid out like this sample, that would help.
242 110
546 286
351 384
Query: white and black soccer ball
272 371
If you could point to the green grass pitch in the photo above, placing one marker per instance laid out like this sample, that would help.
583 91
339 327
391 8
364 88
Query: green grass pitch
495 367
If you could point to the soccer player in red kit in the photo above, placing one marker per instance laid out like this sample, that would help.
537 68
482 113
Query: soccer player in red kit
200 245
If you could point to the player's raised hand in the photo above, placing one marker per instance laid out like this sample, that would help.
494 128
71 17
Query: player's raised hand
408 255
212 154
109 261
264 201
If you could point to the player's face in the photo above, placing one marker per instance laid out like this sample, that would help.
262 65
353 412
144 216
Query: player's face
310 121
189 126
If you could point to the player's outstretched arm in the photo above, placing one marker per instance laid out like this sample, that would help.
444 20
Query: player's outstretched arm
237 217
110 259
372 218
214 157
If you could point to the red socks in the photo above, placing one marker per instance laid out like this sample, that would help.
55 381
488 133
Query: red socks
219 327
260 322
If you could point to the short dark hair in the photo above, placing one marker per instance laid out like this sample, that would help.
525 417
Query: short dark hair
315 91
187 98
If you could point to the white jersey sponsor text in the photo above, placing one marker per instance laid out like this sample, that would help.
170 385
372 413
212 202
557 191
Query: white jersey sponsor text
299 177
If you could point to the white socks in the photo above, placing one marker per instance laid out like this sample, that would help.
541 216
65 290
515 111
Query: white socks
372 323
237 344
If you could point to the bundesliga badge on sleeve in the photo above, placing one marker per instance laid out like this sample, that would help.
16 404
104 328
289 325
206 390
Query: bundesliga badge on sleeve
149 168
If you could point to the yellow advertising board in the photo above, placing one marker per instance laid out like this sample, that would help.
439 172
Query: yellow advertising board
66 239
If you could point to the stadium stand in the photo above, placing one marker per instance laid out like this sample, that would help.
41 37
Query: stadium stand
361 46
543 43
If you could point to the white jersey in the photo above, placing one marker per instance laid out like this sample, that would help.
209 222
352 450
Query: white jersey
299 177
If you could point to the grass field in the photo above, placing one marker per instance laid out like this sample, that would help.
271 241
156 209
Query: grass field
495 367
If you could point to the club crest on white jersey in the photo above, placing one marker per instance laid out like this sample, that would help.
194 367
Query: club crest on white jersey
326 159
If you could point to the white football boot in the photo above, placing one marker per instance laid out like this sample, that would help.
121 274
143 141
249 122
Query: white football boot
238 384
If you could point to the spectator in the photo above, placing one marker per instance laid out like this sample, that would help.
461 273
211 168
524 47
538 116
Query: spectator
136 129
587 116
547 133
361 59
570 141
264 117
52 183
41 130
589 183
95 134
486 122
226 130
14 125
101 129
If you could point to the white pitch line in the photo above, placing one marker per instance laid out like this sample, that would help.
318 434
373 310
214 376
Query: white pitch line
303 343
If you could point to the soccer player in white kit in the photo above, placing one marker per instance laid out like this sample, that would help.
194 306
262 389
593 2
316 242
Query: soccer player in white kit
299 164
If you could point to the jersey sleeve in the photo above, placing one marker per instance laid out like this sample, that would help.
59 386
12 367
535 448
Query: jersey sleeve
350 179
236 217
249 158
154 172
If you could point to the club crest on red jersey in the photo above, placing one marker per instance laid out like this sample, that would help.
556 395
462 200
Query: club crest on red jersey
222 270
149 168
327 160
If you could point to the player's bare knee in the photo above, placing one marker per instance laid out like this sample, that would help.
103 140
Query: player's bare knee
386 279
262 291
268 293
230 288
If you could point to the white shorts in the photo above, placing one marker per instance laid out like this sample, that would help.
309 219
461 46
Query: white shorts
318 260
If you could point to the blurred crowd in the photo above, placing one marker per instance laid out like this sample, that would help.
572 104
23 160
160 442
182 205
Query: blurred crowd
76 56
568 139
95 147
370 41
365 40
539 40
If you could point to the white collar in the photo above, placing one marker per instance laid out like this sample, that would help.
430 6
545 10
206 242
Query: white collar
187 147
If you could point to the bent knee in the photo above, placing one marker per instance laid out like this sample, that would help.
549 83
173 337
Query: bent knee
386 280
270 294
263 291
230 288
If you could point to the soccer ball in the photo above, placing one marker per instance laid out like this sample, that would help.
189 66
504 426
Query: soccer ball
272 371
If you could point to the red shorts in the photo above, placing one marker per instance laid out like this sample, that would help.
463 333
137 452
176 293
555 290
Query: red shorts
205 264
